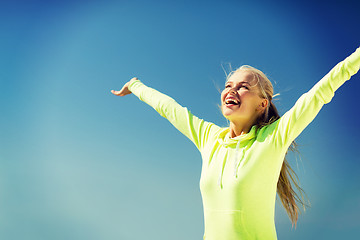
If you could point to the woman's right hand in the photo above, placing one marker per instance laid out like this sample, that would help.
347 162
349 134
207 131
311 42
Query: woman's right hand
125 89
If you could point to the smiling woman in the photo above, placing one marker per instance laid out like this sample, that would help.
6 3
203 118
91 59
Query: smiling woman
243 164
242 102
250 86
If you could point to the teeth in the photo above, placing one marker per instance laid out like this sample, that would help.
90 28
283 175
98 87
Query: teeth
230 101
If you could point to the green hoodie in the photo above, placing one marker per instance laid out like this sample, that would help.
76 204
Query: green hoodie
239 175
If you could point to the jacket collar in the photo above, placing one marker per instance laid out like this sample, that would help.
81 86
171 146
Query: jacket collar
225 139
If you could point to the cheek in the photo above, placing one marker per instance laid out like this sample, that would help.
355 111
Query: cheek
222 96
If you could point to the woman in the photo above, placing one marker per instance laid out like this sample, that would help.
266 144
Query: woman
243 165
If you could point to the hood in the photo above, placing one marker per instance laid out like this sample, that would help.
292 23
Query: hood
245 140
225 139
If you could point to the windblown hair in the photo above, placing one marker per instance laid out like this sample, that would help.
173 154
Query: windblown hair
288 179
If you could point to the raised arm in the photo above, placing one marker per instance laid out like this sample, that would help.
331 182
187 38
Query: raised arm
197 130
309 104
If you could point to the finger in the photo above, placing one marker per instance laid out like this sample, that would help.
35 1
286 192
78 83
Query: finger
117 93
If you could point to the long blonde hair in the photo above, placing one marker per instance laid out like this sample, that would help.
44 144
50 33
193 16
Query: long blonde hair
288 179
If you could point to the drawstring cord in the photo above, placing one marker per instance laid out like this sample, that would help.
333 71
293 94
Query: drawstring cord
226 141
237 161
222 171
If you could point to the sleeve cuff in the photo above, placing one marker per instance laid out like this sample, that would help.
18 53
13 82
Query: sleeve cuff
135 84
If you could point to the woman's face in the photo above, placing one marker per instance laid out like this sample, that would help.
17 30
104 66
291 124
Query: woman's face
240 100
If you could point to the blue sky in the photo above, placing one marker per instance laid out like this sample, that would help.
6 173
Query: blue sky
79 163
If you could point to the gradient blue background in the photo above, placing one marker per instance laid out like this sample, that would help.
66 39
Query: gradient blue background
78 163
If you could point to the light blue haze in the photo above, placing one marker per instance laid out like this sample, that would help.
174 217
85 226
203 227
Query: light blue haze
77 163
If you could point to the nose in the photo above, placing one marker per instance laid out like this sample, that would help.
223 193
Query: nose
233 91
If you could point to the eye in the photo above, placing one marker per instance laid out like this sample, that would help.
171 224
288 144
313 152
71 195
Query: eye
227 86
244 86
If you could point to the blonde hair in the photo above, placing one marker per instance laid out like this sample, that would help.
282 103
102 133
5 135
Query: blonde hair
288 178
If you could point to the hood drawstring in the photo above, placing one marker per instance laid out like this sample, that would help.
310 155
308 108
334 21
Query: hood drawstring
237 160
222 172
238 156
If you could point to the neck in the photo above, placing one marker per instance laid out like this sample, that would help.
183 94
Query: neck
237 129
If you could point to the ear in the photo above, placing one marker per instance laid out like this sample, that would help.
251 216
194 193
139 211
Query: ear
262 106
264 103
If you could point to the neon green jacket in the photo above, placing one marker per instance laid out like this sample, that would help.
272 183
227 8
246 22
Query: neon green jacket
239 175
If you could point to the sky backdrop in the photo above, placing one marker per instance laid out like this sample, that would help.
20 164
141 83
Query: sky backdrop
78 163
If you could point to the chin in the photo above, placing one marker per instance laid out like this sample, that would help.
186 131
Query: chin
226 113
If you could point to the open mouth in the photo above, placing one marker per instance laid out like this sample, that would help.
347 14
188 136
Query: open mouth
231 102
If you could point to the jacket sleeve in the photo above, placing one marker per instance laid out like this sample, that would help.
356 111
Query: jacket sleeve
293 122
197 130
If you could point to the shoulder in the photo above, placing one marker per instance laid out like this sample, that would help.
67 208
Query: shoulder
267 131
